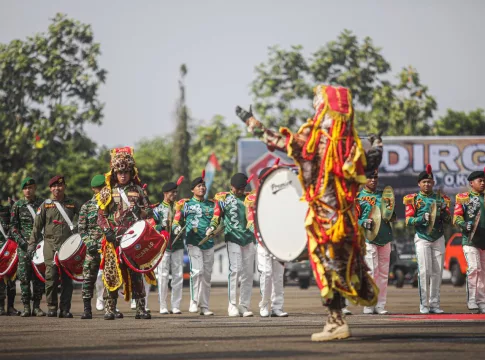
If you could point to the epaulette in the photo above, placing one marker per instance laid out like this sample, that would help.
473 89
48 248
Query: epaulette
462 198
250 200
221 196
180 204
409 199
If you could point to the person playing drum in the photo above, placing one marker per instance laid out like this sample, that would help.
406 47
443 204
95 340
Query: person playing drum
121 203
332 161
7 285
428 211
55 223
173 258
378 250
240 242
272 271
194 215
21 224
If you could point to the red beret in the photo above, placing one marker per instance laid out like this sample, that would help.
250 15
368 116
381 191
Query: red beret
58 179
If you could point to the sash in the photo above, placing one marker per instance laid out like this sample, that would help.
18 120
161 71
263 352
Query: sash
64 215
31 210
3 231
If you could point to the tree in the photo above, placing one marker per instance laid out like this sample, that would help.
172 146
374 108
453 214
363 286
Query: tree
181 143
461 123
221 139
48 91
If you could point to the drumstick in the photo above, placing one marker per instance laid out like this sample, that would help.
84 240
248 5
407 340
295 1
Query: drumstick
179 235
212 234
126 233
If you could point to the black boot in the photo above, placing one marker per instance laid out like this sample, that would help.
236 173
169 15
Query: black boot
110 308
37 310
66 314
87 314
27 311
2 308
141 312
12 311
52 313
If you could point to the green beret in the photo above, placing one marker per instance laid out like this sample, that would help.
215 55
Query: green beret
27 181
97 181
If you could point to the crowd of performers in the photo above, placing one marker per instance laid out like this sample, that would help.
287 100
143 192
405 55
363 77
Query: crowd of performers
339 181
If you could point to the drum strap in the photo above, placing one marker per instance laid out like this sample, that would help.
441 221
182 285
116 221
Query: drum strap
3 231
124 197
64 215
31 210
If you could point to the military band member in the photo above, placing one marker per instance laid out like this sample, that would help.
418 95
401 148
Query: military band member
430 243
173 258
21 223
55 219
378 252
195 215
469 215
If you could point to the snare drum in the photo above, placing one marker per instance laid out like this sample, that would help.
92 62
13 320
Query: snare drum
280 215
71 256
38 264
8 259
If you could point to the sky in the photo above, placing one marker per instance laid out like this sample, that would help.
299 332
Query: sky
143 44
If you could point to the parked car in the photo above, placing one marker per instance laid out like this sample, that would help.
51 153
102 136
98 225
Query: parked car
455 260
403 265
300 272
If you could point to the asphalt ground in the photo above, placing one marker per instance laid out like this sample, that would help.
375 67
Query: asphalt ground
402 335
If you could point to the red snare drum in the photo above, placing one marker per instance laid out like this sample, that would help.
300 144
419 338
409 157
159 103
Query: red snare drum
9 259
38 264
142 243
71 256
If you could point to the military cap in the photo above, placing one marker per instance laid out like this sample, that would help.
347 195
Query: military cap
239 180
427 174
98 181
58 179
198 180
476 175
26 182
172 185
372 174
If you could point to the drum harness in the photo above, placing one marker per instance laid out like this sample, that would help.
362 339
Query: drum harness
2 231
64 215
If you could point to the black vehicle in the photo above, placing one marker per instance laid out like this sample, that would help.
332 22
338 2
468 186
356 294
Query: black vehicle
403 265
300 272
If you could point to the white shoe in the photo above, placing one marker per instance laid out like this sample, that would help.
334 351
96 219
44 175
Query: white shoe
346 311
133 304
176 311
481 310
278 313
244 312
381 311
369 310
264 312
164 311
423 309
436 311
99 304
193 307
232 310
206 312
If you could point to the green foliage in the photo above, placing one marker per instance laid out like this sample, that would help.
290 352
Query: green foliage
49 89
461 123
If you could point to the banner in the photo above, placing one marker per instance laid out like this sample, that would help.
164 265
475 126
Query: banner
210 171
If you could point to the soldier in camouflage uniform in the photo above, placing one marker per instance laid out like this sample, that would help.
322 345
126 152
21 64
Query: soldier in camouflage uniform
56 230
21 224
7 286
121 203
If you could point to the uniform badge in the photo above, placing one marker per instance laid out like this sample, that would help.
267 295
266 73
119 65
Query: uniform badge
137 247
48 201
38 211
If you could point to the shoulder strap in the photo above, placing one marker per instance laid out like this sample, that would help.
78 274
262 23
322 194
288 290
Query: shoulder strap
31 210
3 231
124 197
64 215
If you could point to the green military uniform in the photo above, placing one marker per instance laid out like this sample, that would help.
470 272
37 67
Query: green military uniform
163 215
56 232
21 225
7 287
468 206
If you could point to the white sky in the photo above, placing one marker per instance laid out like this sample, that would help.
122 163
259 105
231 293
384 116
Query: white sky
144 42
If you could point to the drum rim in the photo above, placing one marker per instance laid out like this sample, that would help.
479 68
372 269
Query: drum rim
256 224
81 243
134 242
43 260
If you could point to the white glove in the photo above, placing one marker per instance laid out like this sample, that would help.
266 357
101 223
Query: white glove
443 206
426 216
209 231
469 226
367 224
177 230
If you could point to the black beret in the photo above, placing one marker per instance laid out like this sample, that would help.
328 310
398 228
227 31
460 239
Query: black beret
196 181
239 180
169 187
427 174
476 175
371 174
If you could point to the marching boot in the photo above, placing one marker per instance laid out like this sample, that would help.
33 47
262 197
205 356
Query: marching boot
27 311
118 314
11 310
87 314
335 328
110 308
37 310
2 308
141 312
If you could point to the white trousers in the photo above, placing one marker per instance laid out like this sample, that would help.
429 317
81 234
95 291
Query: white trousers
377 259
271 273
241 267
171 260
475 277
99 287
201 263
430 268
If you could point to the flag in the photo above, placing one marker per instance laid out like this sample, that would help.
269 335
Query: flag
210 171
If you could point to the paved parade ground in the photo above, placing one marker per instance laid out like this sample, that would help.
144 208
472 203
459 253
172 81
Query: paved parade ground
403 335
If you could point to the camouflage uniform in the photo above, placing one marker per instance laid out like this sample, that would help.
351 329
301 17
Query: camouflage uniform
21 225
7 287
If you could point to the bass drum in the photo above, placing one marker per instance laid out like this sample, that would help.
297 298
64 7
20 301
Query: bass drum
280 215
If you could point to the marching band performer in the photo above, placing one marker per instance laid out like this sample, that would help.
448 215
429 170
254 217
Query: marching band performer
194 215
231 210
469 215
173 258
429 241
378 251
332 161
121 203
21 224
271 278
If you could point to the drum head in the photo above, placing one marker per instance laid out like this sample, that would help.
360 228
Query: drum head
39 254
280 215
70 247
132 234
